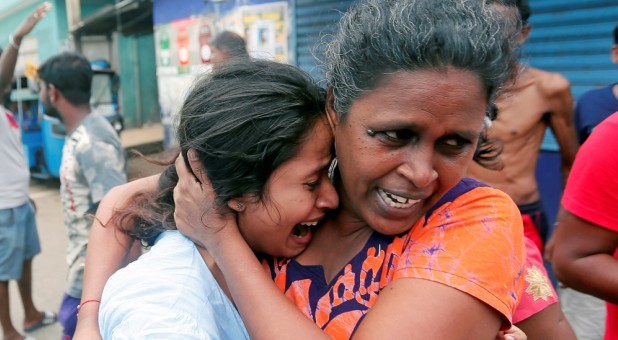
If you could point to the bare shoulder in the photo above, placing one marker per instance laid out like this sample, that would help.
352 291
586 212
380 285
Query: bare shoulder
550 84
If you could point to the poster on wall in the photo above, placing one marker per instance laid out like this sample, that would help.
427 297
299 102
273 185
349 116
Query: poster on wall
265 29
182 48
182 51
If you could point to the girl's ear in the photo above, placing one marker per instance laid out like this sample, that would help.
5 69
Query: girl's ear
236 205
331 114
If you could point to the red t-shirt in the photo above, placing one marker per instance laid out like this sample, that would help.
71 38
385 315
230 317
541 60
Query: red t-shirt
471 240
591 192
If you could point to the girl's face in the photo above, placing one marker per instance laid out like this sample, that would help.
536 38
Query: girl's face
297 195
403 145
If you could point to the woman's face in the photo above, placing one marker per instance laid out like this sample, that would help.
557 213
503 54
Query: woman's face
297 195
403 145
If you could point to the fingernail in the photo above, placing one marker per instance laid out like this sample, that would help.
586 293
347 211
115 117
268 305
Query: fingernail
509 337
192 154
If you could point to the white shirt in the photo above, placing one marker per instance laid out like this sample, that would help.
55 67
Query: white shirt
14 172
168 293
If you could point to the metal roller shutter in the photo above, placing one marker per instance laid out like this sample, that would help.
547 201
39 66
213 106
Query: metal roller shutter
573 38
312 20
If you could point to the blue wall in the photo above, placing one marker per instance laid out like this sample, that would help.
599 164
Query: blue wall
165 11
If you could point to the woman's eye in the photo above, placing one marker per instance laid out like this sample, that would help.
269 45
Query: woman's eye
398 135
457 143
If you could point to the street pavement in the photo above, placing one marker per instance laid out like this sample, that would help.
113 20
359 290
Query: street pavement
49 267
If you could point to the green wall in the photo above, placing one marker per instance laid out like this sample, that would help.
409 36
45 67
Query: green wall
138 81
137 67
49 32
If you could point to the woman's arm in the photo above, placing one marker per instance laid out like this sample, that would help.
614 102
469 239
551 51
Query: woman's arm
409 308
108 250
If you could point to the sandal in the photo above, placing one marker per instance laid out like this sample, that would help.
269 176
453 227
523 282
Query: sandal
48 319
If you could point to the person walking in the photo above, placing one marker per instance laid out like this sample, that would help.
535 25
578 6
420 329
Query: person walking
93 162
19 239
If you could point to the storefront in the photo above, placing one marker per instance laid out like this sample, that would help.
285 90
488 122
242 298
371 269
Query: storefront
182 31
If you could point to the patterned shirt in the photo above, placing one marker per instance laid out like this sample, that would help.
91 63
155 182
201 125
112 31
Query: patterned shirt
93 162
471 240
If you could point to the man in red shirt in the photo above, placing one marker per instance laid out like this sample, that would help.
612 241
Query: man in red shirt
585 244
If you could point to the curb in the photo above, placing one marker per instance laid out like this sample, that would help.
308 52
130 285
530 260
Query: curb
146 149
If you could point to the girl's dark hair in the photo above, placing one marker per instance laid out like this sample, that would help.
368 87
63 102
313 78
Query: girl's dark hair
244 120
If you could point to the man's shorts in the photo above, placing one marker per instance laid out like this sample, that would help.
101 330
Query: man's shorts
19 240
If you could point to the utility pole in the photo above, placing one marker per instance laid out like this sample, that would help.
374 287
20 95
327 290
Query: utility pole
74 15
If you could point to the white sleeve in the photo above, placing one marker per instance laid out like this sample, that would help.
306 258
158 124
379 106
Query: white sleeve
158 323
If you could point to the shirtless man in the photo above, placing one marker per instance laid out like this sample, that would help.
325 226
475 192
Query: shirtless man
536 100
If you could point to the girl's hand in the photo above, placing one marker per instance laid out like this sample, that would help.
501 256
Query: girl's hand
196 212
87 327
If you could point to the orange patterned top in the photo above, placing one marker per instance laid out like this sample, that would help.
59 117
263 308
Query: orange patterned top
471 240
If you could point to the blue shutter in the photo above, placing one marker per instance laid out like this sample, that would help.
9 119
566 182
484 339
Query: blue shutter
573 38
312 20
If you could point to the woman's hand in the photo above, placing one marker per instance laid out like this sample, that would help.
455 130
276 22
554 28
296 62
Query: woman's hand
196 213
512 333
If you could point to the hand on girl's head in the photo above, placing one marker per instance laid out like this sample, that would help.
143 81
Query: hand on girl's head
195 212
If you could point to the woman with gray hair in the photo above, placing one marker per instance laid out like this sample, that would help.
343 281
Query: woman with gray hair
415 250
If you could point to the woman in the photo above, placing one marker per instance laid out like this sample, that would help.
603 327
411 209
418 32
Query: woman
280 154
410 82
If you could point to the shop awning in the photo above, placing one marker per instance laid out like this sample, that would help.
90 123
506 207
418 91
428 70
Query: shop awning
128 17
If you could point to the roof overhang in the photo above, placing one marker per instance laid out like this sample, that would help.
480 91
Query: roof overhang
128 17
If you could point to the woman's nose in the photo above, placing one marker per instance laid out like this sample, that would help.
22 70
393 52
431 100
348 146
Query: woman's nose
418 169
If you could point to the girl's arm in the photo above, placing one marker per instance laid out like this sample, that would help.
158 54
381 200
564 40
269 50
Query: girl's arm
236 260
108 250
406 308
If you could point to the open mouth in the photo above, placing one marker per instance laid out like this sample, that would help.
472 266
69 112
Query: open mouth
396 201
302 229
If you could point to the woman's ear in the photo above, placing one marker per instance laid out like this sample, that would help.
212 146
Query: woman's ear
236 204
331 114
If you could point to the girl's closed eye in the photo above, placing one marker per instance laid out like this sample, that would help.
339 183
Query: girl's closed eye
312 185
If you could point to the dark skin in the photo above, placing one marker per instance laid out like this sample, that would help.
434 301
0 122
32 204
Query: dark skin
550 323
582 256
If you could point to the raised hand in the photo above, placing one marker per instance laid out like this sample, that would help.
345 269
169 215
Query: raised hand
31 20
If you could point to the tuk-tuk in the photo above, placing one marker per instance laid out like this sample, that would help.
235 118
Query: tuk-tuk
104 97
42 136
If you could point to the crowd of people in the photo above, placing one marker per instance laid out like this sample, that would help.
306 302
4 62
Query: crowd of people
399 201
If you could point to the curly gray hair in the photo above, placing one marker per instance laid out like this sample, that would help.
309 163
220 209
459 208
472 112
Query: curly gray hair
378 37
